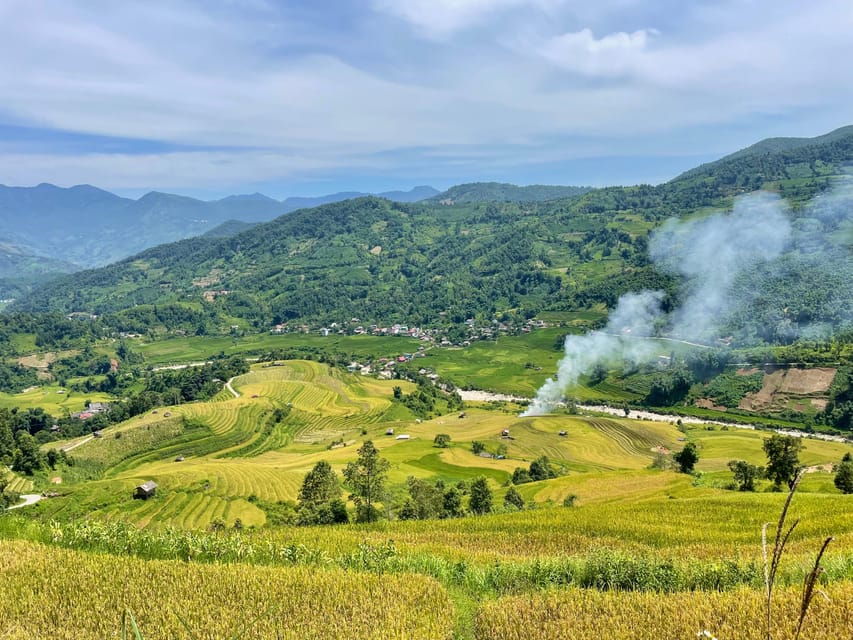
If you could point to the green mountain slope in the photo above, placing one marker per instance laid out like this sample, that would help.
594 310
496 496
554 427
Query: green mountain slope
503 192
796 167
432 263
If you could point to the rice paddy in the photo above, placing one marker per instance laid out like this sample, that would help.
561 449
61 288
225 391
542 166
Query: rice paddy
227 460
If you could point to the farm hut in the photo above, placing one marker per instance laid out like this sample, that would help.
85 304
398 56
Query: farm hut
563 433
505 433
98 434
404 436
179 459
145 490
389 431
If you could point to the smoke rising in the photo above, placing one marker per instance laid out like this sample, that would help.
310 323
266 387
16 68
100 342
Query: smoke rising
729 264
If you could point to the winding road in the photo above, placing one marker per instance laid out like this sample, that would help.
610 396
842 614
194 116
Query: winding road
29 498
230 388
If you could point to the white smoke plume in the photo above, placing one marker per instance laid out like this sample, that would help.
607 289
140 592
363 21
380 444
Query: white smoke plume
709 253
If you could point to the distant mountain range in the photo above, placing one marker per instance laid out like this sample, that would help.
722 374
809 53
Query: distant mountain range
84 226
475 250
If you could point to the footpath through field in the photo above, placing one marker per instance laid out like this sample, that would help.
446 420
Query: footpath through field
29 498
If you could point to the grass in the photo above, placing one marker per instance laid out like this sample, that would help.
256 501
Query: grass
88 596
234 449
193 349
49 398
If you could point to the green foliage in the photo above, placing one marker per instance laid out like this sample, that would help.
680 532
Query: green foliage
477 447
745 474
320 497
27 458
513 499
844 474
687 458
783 458
441 440
729 389
541 469
366 479
521 476
669 387
480 498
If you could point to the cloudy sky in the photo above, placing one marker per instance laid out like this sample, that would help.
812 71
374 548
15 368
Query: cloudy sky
212 97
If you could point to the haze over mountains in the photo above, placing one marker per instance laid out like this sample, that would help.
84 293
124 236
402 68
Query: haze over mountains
446 260
84 226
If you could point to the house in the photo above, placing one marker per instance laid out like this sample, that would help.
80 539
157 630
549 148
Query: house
145 490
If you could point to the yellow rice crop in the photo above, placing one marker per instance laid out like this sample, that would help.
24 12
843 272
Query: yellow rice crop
66 595
574 614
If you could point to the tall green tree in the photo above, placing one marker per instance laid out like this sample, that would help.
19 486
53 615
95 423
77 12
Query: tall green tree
541 469
320 497
366 479
514 499
480 499
783 458
687 458
27 459
745 474
844 474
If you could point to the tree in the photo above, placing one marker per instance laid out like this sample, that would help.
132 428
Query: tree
452 503
366 479
541 469
441 440
844 474
513 499
521 476
783 458
6 497
480 500
425 498
477 447
320 497
687 458
27 459
745 474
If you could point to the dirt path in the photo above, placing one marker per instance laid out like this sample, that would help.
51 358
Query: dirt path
230 388
71 447
29 498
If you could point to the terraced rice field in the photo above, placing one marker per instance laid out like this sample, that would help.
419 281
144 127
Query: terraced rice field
87 598
592 614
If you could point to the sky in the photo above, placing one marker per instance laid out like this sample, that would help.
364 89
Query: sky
214 97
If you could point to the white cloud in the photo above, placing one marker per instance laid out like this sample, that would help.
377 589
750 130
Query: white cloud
533 74
614 54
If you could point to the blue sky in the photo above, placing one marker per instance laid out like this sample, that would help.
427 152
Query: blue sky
213 97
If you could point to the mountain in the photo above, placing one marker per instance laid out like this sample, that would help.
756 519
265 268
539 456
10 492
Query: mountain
503 192
798 168
90 227
428 263
229 228
414 195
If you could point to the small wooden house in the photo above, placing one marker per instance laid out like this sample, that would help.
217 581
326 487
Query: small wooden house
145 490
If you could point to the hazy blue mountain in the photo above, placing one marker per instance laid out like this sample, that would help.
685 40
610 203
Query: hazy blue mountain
90 227
229 228
503 192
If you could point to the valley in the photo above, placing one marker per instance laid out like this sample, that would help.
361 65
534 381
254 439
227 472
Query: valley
488 401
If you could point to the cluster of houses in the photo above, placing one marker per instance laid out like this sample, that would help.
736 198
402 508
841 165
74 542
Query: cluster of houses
92 409
384 367
437 336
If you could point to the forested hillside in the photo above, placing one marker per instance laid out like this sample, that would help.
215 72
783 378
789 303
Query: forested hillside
431 264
